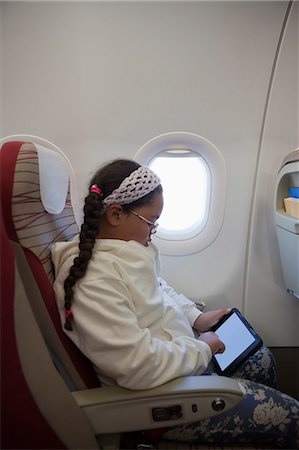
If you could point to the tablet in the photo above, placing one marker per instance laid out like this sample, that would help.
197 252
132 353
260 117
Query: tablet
240 339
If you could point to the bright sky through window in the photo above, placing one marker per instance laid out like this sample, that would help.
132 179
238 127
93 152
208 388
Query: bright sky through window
184 177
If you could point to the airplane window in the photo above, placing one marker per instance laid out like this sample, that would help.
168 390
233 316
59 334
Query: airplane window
193 175
186 189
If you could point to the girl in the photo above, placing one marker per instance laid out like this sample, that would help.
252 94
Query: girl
137 331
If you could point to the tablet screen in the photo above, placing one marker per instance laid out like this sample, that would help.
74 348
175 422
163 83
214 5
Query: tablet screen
240 341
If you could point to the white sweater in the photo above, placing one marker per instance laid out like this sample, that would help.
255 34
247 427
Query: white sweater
136 330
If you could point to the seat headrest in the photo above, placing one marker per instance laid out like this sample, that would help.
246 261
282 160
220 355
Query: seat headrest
36 191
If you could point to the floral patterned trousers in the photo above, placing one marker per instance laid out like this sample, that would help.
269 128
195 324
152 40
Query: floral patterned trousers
265 417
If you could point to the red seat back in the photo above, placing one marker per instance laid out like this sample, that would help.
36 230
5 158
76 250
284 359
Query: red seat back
27 223
19 409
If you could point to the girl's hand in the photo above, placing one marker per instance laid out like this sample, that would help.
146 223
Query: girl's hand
213 342
207 320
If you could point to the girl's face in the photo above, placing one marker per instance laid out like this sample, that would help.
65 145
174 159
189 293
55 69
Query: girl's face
140 223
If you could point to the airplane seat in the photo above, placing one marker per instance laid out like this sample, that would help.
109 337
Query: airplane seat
34 226
51 397
30 413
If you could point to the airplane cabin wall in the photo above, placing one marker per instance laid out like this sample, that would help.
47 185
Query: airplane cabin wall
99 79
265 297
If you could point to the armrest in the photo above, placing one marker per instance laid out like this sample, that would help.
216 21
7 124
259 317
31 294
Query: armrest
114 409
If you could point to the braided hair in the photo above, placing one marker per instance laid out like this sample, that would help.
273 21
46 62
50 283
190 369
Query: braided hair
106 179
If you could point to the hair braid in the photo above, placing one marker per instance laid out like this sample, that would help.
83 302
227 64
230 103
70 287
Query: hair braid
88 234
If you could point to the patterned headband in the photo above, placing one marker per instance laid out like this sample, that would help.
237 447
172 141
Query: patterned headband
138 184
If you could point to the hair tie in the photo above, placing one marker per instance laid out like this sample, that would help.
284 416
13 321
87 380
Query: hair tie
95 189
68 313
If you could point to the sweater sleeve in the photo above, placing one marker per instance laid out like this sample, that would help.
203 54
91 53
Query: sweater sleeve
187 305
106 330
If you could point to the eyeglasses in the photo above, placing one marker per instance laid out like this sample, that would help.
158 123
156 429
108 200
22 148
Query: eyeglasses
152 225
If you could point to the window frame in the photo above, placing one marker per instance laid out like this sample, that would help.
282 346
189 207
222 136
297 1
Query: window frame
207 233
